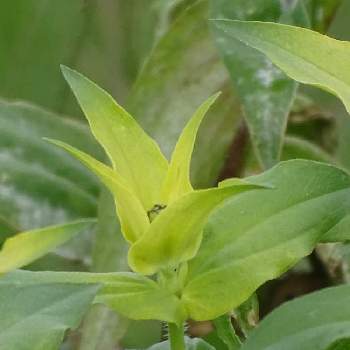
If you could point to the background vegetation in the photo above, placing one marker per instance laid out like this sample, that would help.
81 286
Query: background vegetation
160 59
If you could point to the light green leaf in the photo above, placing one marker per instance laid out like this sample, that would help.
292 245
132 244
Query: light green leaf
305 55
134 296
176 233
260 234
132 152
25 247
266 92
312 322
36 316
133 217
177 181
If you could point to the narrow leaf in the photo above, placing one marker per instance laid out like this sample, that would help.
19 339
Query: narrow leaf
133 218
176 233
305 55
178 182
133 153
314 321
26 247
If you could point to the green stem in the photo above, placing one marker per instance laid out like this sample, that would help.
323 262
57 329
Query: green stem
176 337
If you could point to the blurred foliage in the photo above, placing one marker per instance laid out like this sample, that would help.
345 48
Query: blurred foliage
161 59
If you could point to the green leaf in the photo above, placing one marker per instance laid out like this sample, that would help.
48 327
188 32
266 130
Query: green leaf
131 151
25 247
342 344
133 217
191 344
312 322
182 71
266 92
226 332
176 233
134 296
37 316
306 56
260 234
177 181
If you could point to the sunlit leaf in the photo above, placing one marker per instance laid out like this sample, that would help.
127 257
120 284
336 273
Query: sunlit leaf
258 235
132 216
177 181
312 322
131 151
305 55
176 233
25 247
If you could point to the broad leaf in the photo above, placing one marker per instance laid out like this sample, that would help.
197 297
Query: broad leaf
37 316
177 181
266 92
25 247
133 217
176 233
314 321
131 151
305 55
258 235
129 294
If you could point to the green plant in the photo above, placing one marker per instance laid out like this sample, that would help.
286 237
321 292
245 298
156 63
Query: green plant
196 254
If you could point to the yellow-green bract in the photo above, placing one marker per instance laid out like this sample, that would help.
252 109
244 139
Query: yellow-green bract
161 215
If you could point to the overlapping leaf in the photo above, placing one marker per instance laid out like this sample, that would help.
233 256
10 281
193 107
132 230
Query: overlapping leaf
129 148
265 91
132 215
175 235
305 55
259 235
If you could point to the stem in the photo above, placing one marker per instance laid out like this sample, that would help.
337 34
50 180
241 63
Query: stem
176 337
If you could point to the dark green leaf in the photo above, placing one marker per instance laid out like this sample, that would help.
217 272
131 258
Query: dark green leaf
312 322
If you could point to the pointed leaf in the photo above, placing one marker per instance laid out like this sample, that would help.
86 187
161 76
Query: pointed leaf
314 321
132 295
133 153
133 218
177 181
305 55
26 247
261 234
176 233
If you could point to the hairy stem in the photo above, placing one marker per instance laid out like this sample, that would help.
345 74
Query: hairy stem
176 337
